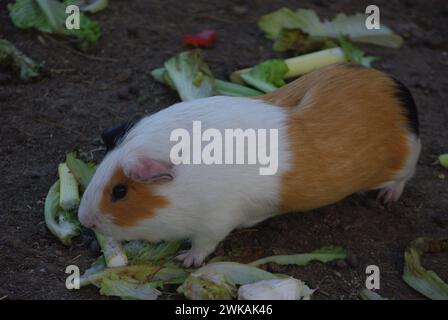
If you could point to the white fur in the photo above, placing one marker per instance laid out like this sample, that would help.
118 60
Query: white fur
392 190
206 201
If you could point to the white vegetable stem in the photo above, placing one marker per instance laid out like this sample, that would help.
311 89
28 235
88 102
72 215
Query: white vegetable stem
69 192
306 63
113 251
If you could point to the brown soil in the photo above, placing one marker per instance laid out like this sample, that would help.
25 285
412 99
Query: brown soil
67 110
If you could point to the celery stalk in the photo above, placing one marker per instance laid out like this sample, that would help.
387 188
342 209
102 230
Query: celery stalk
60 223
69 192
113 251
301 65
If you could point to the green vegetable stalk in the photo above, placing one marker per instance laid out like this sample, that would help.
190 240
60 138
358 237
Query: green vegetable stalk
69 193
301 65
60 223
113 251
82 171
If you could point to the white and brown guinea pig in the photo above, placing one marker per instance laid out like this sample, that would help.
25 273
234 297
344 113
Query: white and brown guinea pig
341 129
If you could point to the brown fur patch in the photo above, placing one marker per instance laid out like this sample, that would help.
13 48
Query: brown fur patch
348 134
139 203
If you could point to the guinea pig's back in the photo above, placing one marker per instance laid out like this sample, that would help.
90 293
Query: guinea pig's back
353 129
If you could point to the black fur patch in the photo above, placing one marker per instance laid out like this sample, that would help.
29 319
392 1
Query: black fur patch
407 101
111 137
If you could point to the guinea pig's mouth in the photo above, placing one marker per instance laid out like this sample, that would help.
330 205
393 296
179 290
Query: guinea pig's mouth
89 221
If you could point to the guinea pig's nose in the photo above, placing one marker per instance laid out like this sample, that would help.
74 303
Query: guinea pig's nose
88 221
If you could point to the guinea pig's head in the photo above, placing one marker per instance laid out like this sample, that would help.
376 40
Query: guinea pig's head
122 195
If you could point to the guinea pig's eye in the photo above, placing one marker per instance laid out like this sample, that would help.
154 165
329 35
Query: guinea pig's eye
119 192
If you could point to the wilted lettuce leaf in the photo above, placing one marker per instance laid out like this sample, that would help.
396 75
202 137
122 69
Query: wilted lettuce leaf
208 286
275 289
427 282
267 76
12 57
218 280
128 289
300 42
308 21
324 254
49 16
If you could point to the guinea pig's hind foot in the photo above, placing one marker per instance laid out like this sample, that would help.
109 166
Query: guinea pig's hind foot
391 193
200 249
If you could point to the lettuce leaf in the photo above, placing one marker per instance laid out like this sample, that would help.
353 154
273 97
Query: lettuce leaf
19 62
62 224
267 76
355 54
190 75
308 21
300 42
324 254
427 282
49 16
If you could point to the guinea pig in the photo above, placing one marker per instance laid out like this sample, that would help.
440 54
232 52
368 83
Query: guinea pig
340 130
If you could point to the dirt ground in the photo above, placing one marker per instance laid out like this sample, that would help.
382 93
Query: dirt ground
68 109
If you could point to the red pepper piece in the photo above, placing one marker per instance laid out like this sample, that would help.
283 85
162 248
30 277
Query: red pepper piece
203 39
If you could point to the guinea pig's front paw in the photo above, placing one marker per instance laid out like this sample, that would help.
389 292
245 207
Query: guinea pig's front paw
191 258
197 254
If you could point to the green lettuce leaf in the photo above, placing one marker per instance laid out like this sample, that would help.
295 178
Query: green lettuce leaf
324 254
355 54
190 75
443 160
139 251
266 76
49 16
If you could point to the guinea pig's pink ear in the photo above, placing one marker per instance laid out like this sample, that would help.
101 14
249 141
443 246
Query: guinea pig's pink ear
149 170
